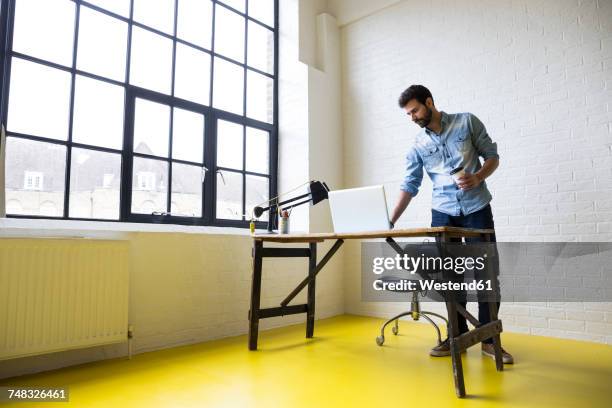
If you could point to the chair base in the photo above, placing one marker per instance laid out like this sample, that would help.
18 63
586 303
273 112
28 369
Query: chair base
415 313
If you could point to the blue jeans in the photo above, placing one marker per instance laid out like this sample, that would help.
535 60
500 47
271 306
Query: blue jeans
482 218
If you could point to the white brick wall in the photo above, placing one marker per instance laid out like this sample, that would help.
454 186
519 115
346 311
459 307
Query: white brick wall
539 75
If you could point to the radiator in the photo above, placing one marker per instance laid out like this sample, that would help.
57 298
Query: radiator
61 294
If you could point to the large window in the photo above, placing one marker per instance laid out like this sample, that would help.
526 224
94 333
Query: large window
140 110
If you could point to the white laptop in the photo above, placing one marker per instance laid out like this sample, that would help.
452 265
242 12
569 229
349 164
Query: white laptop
359 209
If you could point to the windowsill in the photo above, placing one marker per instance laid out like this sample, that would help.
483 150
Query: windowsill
37 228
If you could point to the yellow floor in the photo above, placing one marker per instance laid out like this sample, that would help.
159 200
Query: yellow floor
341 367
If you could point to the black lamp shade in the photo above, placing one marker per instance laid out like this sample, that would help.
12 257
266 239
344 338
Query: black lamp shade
318 191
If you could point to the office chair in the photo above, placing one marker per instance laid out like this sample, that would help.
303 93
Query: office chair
415 308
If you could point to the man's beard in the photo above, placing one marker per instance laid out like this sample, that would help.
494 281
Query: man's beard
426 120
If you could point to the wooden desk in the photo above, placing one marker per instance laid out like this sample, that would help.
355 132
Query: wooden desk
458 341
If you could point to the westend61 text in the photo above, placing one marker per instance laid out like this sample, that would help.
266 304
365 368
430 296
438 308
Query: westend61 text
410 285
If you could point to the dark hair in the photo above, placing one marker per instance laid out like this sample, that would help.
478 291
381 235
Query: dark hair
418 92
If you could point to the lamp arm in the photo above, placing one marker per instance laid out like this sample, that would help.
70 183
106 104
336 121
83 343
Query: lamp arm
261 210
296 204
293 199
285 193
317 191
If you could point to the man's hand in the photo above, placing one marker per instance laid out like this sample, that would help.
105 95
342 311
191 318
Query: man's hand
468 181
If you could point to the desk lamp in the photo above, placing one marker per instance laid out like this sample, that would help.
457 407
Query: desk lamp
317 192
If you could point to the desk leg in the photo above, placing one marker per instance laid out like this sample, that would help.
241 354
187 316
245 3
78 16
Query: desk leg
310 314
453 332
499 362
255 295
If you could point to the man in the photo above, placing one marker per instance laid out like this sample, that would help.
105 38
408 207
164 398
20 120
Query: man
446 142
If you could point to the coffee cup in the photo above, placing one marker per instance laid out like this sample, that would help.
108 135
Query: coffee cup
456 173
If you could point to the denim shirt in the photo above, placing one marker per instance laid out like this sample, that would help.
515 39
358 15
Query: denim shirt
462 140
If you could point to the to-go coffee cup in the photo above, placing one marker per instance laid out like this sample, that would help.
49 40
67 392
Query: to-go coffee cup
456 173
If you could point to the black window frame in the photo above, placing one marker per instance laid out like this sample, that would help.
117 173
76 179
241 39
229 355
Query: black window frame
211 116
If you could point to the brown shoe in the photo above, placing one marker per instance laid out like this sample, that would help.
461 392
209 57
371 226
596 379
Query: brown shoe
442 349
489 350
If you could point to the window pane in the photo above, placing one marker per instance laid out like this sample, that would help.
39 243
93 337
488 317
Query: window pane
228 86
257 150
186 190
35 175
103 55
260 97
45 29
229 145
158 14
229 34
257 189
98 113
94 184
261 48
151 128
188 136
121 7
39 100
149 186
192 76
151 62
195 22
237 4
262 10
229 195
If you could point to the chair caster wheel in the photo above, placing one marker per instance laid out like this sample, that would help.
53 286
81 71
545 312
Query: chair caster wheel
394 330
380 340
